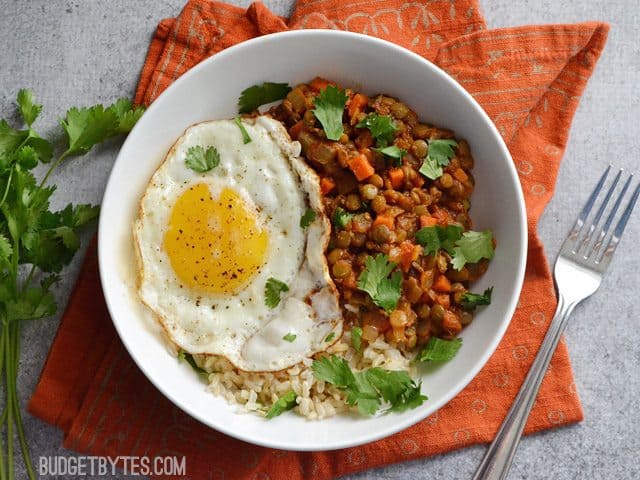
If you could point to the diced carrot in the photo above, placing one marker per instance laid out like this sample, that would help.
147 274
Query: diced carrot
361 167
443 299
396 176
357 104
417 181
295 130
442 284
319 83
461 175
326 185
427 221
386 220
440 215
408 253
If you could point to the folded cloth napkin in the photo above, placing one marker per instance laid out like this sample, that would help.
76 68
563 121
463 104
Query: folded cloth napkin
528 79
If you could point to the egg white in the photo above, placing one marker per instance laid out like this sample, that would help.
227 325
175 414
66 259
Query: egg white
278 186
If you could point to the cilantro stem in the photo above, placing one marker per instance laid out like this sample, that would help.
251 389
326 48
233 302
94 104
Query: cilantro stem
6 189
29 277
53 167
3 417
6 333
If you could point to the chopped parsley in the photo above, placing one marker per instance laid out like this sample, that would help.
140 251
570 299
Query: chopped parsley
472 300
341 218
370 388
374 279
329 107
290 337
251 98
356 338
439 350
330 337
200 160
471 248
436 238
382 128
245 135
308 218
272 291
284 403
438 156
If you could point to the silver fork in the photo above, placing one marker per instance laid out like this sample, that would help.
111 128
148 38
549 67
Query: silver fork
579 270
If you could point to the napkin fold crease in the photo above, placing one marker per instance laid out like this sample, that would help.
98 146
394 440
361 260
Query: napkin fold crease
528 79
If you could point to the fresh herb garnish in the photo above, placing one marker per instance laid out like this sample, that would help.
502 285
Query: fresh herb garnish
329 107
436 237
471 248
394 152
34 239
308 218
356 338
290 337
252 97
284 403
439 350
370 388
200 160
382 128
187 357
438 156
472 300
374 279
341 218
245 135
330 337
272 291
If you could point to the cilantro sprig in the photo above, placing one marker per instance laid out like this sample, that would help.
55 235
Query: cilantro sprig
308 217
253 97
272 291
471 248
436 238
472 300
382 128
329 107
439 350
383 289
394 152
370 388
200 160
341 218
284 403
36 241
439 153
246 138
187 357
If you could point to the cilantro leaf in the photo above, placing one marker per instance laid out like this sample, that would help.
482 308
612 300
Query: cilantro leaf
126 114
471 248
79 215
439 350
471 300
272 291
392 152
382 128
374 279
289 337
30 304
6 250
27 157
251 98
245 135
341 218
436 238
329 107
308 218
438 156
284 403
86 127
187 357
28 109
200 160
330 337
43 148
10 138
367 389
356 338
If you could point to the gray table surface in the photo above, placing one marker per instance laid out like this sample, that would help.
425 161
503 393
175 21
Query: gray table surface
84 52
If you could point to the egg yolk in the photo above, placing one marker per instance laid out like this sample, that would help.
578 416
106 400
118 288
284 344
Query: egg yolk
215 245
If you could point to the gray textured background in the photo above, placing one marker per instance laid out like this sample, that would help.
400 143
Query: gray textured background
81 53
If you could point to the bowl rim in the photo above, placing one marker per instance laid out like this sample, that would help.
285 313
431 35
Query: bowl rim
463 381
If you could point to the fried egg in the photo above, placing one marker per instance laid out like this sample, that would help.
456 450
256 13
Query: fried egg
207 243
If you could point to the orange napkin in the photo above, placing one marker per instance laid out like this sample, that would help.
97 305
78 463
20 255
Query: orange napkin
529 80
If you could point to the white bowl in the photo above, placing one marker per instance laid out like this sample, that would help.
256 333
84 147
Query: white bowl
211 91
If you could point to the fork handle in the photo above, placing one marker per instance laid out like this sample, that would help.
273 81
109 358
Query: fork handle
497 461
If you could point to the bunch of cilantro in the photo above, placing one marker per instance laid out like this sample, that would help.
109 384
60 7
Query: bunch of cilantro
36 242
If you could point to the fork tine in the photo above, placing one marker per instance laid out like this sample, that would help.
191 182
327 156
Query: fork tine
617 233
577 228
604 231
592 226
